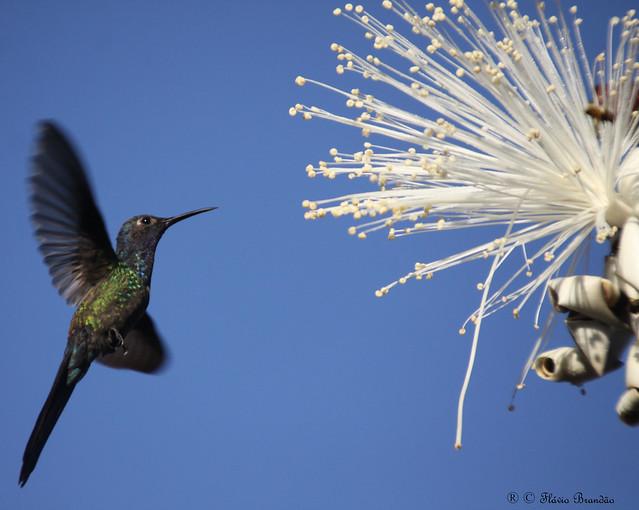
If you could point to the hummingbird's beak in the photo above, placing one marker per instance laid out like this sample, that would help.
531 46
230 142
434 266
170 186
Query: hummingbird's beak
174 219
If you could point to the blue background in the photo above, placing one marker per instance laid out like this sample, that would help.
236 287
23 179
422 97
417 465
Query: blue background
291 386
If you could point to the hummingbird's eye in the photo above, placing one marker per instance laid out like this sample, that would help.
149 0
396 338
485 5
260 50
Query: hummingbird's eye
145 220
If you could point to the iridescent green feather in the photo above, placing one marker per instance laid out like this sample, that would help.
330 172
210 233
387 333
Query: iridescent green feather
113 294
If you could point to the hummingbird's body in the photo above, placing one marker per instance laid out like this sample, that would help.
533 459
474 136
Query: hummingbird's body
110 288
113 305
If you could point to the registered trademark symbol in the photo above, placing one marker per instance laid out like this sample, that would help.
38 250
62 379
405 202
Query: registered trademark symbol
512 497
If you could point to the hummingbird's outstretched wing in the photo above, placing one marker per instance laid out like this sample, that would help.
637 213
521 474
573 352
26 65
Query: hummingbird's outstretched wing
145 350
68 225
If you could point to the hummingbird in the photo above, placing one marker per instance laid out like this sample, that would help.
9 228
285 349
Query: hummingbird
110 289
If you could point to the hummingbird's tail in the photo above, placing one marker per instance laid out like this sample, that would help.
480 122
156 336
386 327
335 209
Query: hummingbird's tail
48 417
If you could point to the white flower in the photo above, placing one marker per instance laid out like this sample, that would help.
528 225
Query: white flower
513 127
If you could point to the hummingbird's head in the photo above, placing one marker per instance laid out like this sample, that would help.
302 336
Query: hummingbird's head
139 237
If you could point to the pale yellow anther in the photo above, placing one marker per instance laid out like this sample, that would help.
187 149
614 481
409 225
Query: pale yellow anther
379 293
462 331
387 4
361 235
300 81
439 14
352 231
337 12
348 7
533 134
292 112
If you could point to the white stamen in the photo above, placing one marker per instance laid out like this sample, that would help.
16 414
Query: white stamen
509 142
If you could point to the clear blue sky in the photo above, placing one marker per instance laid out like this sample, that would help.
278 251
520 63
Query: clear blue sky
291 386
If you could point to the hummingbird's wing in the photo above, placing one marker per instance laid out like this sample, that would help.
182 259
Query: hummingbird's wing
68 225
145 350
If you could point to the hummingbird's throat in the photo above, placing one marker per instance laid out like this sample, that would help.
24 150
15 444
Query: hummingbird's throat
140 261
